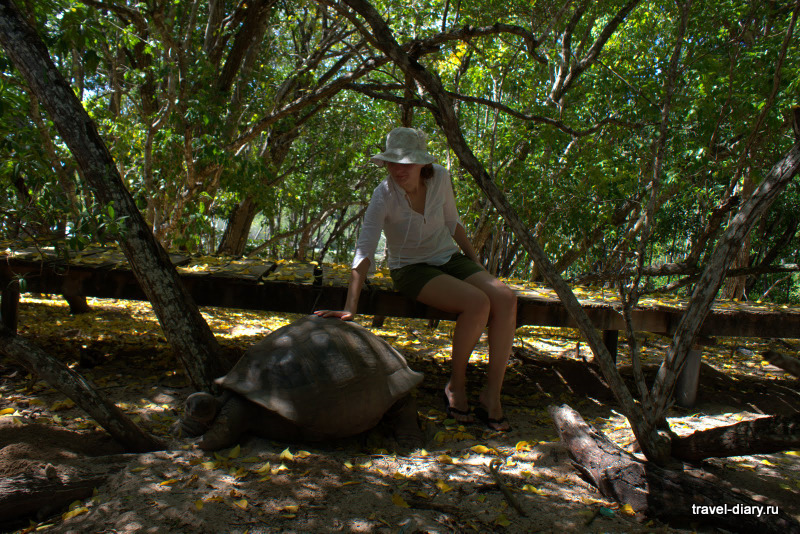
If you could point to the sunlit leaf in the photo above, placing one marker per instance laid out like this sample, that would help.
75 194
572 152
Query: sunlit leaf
443 486
532 489
74 512
480 449
627 510
241 503
286 455
444 459
266 468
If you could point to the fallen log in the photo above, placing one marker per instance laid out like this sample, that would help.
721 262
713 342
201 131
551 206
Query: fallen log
765 435
671 496
41 495
787 363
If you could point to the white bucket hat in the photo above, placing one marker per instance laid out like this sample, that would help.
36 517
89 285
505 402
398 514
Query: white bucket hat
404 145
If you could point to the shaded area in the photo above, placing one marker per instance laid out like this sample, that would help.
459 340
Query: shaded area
352 484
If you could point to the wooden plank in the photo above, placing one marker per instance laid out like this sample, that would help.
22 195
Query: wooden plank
246 292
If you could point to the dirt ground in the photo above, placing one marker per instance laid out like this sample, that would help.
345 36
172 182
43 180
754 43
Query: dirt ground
357 485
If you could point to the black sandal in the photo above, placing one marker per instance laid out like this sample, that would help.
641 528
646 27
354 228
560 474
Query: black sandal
490 422
452 411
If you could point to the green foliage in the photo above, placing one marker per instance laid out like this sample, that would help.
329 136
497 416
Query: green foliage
151 79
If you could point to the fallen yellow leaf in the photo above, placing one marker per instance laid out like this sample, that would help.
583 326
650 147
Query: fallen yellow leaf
198 504
73 513
532 489
627 510
444 459
399 501
235 452
241 503
286 455
443 486
480 449
502 520
169 482
264 468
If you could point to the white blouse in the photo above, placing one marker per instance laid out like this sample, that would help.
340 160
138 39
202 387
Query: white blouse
411 237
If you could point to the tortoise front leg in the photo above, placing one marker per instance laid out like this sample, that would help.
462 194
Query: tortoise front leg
402 419
229 425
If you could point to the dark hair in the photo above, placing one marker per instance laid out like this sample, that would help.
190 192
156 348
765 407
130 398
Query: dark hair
426 173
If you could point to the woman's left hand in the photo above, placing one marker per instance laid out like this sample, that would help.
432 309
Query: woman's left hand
338 314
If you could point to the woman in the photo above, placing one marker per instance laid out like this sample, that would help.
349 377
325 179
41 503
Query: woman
416 210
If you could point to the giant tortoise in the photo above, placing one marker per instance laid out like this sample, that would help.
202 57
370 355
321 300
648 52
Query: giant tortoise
314 379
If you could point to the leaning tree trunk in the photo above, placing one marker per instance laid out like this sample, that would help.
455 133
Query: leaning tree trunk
656 492
765 435
75 386
184 327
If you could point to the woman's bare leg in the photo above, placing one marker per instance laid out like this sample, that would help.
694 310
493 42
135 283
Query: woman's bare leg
472 307
502 325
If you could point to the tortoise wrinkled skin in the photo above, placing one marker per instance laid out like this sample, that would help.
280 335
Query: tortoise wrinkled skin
315 379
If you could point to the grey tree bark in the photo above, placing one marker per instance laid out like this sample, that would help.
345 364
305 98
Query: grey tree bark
184 327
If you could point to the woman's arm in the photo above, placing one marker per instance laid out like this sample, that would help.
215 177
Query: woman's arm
460 235
357 277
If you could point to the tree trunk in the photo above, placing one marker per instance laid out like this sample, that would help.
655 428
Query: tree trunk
759 436
656 492
716 268
184 327
237 230
787 363
77 304
77 388
9 304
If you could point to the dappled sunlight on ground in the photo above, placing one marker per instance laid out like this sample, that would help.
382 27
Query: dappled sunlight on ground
359 484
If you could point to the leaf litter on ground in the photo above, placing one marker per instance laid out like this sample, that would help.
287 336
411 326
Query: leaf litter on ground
119 345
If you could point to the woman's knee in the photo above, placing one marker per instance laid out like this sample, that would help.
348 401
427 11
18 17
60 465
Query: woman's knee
502 297
508 298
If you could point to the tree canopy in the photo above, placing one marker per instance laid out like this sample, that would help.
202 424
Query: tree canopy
586 115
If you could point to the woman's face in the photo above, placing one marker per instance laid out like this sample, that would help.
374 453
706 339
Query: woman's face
406 175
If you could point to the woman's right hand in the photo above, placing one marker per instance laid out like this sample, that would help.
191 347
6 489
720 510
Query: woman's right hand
338 314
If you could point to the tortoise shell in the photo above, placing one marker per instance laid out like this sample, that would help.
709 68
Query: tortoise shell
331 377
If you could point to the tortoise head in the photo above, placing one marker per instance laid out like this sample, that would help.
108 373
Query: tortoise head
199 412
